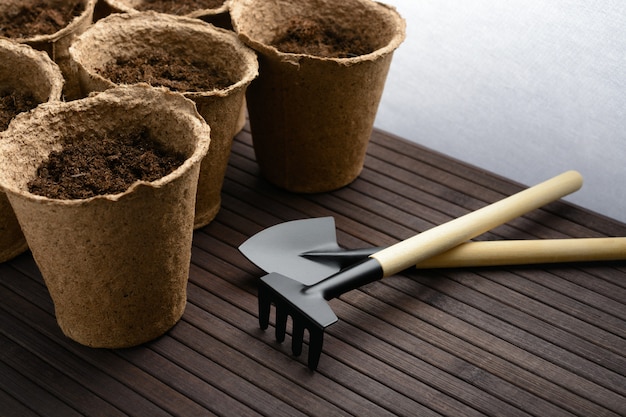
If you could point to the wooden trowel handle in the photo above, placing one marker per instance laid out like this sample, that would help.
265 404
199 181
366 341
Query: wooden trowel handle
439 239
526 252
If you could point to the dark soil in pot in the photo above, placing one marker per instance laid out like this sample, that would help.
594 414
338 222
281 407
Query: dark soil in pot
162 69
178 7
320 38
98 166
12 103
38 17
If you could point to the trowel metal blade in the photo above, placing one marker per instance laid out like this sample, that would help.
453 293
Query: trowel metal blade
279 248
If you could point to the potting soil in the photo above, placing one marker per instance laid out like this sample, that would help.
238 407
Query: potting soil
320 38
97 166
12 103
178 7
38 17
162 69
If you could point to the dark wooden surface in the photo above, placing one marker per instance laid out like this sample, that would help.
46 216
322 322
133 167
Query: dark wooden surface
509 341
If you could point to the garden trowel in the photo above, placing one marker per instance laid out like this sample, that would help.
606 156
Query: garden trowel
307 304
307 250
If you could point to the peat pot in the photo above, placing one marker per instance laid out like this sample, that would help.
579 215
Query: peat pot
211 11
55 44
116 265
27 71
124 36
311 115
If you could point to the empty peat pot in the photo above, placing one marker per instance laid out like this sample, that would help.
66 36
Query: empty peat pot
55 44
124 36
30 72
116 265
312 115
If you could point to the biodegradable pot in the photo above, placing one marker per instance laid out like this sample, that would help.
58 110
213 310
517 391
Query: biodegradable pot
311 117
56 45
218 16
25 70
116 265
126 35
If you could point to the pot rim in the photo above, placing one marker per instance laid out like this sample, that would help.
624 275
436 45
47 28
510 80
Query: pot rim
87 13
124 7
49 68
296 58
183 107
162 21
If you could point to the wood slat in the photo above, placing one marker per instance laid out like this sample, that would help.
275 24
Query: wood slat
148 389
450 318
515 341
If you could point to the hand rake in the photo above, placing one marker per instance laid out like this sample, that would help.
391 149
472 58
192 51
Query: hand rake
307 304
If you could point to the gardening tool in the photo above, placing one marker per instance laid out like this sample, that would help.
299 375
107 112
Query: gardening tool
307 306
307 251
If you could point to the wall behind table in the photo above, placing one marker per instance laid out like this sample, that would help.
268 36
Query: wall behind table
526 89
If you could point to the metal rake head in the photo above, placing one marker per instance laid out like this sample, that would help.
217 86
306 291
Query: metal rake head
308 311
307 304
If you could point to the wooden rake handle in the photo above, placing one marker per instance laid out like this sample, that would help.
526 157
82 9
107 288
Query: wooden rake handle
439 239
526 252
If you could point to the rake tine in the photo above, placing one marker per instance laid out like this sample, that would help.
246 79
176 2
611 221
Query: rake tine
265 306
297 337
316 340
281 323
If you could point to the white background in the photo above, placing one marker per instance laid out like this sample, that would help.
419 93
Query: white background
525 89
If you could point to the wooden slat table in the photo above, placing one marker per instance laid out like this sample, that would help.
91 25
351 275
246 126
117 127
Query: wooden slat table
510 341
